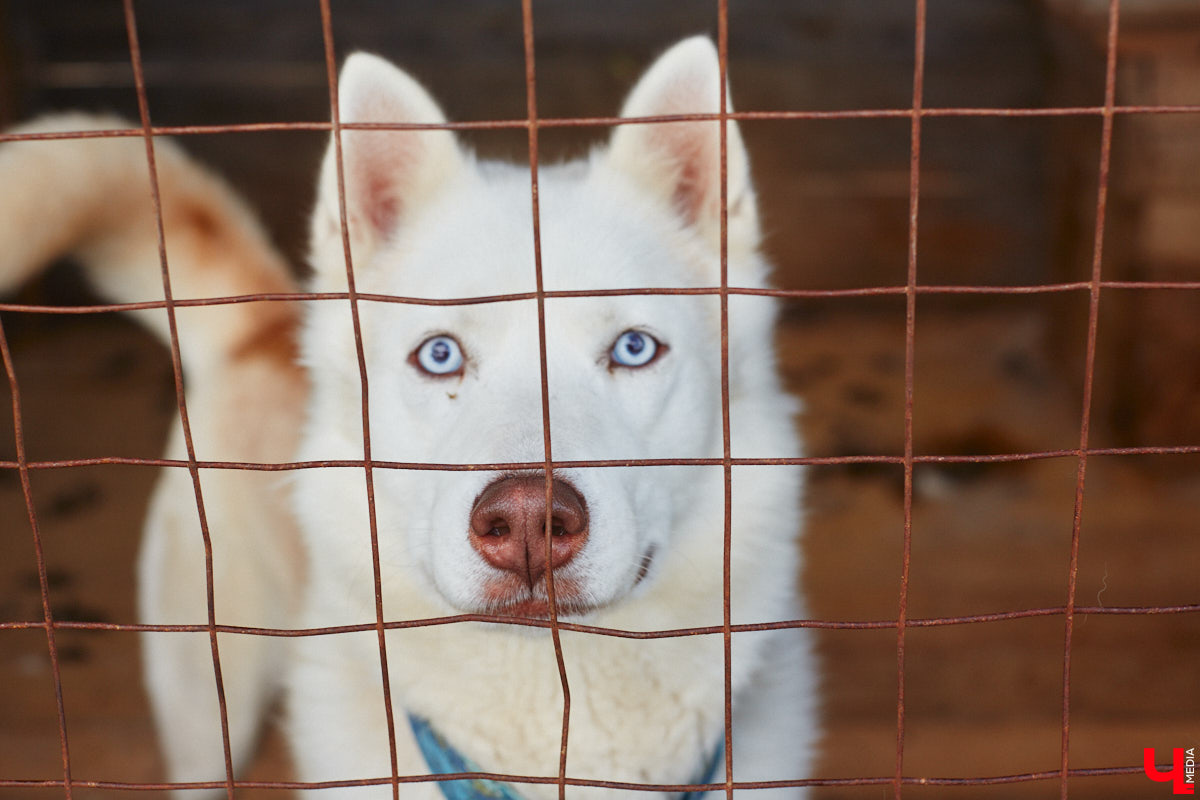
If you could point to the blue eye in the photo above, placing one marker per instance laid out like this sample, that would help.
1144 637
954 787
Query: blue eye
634 349
439 355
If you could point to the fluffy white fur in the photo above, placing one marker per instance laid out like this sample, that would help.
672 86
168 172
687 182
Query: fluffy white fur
426 219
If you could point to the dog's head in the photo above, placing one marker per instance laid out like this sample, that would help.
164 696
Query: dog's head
628 376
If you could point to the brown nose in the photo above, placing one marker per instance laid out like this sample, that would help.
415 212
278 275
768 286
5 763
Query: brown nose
508 525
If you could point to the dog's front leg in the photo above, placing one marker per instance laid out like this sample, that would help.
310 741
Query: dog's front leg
178 666
337 726
254 584
775 725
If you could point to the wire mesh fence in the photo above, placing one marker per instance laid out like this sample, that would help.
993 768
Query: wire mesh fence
1069 612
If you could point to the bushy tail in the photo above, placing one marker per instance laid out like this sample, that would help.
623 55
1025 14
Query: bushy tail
90 199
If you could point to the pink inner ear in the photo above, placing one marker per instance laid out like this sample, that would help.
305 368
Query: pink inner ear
690 151
382 204
380 164
689 192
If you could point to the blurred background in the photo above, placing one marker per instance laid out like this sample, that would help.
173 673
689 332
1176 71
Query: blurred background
1004 201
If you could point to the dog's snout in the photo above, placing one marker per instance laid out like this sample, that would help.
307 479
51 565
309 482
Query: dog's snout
508 525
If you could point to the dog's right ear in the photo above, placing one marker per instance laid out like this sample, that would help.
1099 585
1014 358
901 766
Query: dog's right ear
388 173
680 162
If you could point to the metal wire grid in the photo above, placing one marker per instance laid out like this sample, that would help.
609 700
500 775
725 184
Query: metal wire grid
532 123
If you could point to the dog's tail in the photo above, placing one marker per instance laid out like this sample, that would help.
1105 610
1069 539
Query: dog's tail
90 199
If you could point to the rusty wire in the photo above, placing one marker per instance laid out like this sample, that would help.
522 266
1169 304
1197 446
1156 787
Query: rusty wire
747 627
360 354
1110 84
285 466
43 582
726 437
605 122
135 57
544 379
865 291
910 319
532 123
1023 777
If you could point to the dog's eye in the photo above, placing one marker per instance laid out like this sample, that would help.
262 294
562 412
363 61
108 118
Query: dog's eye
634 349
438 355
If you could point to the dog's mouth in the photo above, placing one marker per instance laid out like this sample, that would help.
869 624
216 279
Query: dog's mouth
509 597
539 608
513 598
645 564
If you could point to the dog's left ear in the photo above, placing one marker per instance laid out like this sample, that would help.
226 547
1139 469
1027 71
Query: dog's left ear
680 162
389 174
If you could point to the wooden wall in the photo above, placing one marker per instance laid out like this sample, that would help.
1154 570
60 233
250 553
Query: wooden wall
835 193
1148 356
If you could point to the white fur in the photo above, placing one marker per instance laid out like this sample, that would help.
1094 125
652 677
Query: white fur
427 220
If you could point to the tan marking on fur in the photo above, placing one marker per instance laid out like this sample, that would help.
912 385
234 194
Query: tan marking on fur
275 340
201 219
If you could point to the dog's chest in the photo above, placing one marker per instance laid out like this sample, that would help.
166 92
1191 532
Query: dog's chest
641 711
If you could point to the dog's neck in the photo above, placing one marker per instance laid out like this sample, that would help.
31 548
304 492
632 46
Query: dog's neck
443 759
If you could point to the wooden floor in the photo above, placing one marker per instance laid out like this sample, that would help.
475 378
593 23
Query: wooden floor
982 699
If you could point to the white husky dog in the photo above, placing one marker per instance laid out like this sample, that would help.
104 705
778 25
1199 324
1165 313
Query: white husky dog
630 377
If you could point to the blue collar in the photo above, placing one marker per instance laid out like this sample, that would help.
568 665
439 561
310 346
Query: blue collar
443 759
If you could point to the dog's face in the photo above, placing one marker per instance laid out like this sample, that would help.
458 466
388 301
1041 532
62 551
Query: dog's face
628 377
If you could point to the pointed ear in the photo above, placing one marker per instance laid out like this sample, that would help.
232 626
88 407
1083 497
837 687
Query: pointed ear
388 173
680 162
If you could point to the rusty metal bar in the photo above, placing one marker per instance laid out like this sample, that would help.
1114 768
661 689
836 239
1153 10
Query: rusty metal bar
1089 371
47 623
544 378
910 316
135 57
595 122
360 354
993 780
